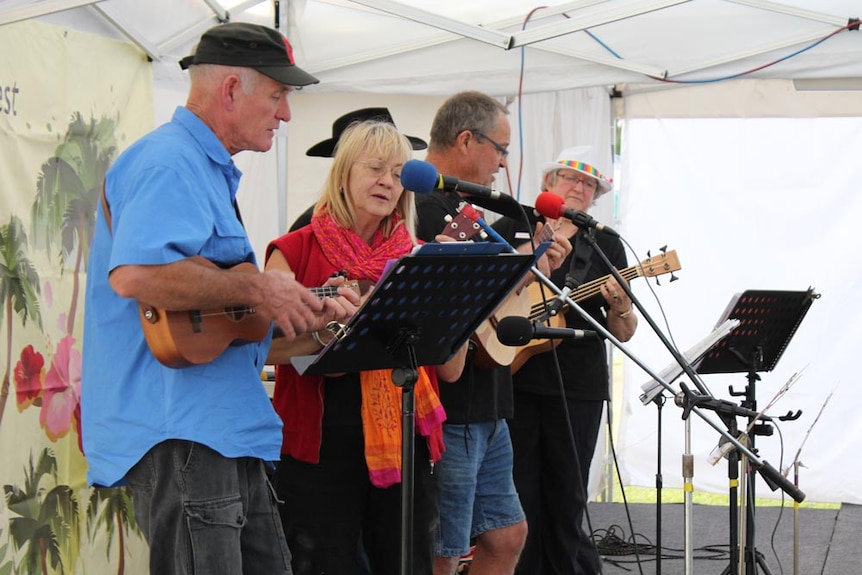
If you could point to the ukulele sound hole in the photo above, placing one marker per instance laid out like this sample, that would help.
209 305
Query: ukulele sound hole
237 313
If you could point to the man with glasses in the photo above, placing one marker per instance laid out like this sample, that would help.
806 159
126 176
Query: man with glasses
504 151
469 136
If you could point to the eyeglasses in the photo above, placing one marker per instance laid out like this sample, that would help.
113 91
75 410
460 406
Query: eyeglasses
501 149
379 168
586 181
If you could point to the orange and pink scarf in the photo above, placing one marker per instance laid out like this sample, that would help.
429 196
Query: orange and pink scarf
381 398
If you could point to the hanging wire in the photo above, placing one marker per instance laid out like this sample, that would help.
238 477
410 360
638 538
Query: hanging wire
852 25
520 105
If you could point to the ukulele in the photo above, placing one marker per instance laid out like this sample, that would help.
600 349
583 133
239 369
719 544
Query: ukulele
651 267
184 338
529 302
490 352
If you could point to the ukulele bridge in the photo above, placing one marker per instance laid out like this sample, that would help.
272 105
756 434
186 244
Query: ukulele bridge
238 313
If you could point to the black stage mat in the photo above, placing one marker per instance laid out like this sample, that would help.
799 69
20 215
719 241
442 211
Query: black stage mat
828 539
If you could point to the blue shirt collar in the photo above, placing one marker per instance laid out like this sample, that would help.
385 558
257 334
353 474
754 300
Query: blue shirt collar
211 145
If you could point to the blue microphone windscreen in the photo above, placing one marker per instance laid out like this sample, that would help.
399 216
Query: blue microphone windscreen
418 176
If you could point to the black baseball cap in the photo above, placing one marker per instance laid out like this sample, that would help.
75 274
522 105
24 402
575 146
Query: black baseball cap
326 148
250 46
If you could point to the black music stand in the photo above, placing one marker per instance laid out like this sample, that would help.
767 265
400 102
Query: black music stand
768 320
420 313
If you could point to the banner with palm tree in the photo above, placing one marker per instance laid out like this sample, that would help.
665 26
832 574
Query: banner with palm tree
69 103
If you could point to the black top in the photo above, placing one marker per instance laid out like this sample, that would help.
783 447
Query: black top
583 363
342 400
303 220
479 395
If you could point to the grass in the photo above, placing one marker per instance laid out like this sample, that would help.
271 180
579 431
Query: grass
648 495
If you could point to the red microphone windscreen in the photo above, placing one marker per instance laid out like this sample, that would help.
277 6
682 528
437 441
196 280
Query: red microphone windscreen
550 205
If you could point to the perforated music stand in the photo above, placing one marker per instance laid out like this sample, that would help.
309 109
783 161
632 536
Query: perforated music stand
768 320
420 313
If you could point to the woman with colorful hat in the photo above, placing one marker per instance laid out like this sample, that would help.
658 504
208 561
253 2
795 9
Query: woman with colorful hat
551 473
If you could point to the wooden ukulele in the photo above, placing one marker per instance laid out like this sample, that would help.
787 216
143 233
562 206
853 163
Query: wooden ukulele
529 303
651 267
184 338
490 352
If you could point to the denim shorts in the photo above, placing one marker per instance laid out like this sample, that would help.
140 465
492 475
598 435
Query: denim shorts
477 492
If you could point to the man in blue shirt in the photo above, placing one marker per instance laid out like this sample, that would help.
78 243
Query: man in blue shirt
191 441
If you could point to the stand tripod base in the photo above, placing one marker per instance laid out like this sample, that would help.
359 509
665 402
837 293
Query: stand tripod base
753 560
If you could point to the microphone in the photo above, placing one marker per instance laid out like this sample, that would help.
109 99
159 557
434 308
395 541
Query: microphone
516 331
422 177
553 206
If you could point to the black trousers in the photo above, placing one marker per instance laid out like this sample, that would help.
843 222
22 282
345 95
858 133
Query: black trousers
552 482
335 519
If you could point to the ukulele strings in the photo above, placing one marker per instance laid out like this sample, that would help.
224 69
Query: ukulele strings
587 290
321 292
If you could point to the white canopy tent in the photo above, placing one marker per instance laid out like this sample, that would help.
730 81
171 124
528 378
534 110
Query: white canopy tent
416 47
558 66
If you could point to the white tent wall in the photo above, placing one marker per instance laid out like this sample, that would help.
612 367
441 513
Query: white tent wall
740 99
750 202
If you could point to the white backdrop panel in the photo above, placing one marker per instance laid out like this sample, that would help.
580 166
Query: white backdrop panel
750 204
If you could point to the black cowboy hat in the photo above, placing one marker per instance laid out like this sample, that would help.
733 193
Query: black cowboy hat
326 148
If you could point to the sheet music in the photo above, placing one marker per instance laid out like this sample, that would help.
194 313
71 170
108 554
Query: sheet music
652 388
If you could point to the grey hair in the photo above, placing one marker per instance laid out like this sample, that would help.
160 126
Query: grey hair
248 77
469 110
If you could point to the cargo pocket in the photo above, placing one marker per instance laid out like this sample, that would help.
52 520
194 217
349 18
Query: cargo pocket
214 532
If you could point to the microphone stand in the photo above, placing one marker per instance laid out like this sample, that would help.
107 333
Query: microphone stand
659 483
773 477
768 320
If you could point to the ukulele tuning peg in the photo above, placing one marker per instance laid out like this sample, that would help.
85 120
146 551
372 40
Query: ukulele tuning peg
663 249
657 282
649 254
673 277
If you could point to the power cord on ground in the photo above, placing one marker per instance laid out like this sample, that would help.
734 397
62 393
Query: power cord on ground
613 545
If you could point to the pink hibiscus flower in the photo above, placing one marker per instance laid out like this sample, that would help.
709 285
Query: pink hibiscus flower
62 395
28 378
